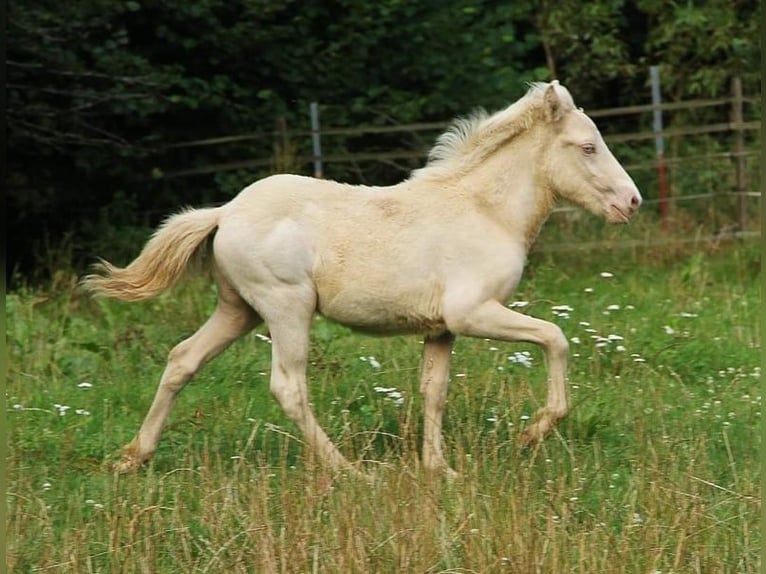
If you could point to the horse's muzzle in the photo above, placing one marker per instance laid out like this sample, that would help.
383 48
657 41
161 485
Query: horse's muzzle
624 204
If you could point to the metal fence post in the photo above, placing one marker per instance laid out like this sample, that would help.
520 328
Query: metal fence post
659 144
315 139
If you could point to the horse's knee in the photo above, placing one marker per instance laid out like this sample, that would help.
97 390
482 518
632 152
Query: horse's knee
555 341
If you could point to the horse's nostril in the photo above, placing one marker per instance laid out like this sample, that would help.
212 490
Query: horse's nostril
635 201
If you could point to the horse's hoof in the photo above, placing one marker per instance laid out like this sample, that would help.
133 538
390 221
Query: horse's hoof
127 465
450 474
442 471
527 440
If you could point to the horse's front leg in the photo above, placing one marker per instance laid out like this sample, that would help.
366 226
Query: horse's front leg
433 385
494 321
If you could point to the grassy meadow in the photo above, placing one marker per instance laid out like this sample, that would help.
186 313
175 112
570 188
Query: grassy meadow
656 469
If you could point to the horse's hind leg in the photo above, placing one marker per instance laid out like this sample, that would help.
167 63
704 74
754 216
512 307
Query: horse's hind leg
232 318
289 347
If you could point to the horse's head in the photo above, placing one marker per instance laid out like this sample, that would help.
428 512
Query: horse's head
578 165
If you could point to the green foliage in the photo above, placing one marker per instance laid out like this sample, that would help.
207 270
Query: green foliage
575 35
701 47
99 92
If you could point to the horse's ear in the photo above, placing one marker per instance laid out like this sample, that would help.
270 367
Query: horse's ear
553 107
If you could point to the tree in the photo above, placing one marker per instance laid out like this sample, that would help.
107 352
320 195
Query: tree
99 93
700 48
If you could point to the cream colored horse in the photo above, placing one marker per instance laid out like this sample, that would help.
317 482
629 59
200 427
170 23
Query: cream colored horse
437 254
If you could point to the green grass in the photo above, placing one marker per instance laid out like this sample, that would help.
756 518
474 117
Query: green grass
655 469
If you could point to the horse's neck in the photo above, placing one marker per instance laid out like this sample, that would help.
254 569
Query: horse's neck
508 189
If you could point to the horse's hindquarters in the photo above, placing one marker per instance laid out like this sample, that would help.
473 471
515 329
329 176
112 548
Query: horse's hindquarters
268 263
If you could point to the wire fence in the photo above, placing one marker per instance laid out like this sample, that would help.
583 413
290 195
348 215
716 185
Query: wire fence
433 127
733 123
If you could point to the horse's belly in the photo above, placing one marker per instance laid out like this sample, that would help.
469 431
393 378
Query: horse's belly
386 310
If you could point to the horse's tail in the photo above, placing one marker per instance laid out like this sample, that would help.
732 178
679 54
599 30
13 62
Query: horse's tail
161 263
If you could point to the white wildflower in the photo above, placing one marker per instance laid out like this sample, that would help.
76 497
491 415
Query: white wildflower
62 409
391 394
522 357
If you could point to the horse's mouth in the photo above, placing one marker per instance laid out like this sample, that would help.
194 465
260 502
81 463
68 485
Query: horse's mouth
617 215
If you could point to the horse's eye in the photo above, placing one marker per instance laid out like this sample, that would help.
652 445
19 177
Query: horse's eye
588 148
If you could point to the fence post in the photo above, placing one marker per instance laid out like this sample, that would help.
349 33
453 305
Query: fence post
659 144
739 148
283 153
315 139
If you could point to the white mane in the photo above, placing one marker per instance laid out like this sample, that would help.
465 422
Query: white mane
471 139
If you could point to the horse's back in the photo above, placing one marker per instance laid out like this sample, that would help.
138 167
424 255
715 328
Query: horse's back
276 193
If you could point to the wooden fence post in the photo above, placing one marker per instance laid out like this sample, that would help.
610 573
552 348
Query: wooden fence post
284 156
740 169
